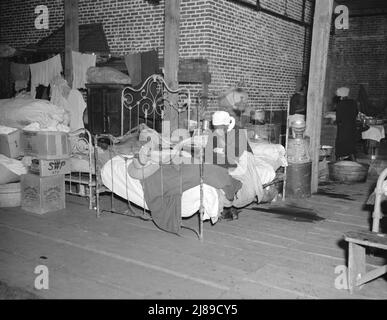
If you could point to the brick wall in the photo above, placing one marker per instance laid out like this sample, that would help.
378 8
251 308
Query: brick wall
358 56
261 53
17 21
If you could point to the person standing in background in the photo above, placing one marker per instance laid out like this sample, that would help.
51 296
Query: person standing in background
298 100
234 101
297 104
346 113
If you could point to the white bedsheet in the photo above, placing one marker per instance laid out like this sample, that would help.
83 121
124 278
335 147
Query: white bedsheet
129 188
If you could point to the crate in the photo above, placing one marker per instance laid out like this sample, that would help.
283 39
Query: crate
42 194
10 144
46 144
46 168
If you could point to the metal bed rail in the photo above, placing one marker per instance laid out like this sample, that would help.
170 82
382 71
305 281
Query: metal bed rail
148 105
82 183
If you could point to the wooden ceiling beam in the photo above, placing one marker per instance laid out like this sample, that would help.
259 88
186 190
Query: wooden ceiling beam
171 51
71 13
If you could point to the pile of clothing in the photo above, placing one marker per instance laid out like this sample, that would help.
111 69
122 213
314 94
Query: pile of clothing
35 114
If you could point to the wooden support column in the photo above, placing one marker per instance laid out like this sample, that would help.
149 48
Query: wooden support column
171 51
317 75
71 36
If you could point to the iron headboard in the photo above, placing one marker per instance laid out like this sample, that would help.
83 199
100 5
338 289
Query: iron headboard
149 104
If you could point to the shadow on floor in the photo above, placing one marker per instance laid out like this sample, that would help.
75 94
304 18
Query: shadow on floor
15 293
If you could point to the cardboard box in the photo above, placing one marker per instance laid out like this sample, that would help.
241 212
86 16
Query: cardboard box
42 194
46 168
10 144
46 144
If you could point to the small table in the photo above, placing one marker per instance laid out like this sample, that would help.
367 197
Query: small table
372 137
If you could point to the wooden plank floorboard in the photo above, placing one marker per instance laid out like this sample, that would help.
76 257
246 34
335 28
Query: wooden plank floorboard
254 290
112 270
62 285
300 237
262 247
311 285
127 257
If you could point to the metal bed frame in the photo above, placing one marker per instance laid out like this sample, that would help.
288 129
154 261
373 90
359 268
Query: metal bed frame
154 99
84 182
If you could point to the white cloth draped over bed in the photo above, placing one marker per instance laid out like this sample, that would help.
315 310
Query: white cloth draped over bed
261 170
128 188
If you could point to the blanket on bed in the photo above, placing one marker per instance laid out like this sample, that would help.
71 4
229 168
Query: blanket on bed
163 190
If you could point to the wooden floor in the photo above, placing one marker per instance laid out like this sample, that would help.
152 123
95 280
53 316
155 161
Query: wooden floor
288 250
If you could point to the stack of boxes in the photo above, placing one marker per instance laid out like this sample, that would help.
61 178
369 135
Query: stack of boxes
43 188
10 194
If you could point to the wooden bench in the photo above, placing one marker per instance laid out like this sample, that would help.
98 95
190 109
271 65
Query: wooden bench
358 241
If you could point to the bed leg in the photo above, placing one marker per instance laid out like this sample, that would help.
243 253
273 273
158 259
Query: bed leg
201 224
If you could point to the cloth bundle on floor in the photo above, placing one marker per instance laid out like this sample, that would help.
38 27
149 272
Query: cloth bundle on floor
44 72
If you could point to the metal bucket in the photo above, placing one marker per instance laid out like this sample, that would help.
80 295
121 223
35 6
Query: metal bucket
348 171
298 180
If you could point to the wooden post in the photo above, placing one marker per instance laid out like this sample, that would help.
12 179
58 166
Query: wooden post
71 36
317 74
171 52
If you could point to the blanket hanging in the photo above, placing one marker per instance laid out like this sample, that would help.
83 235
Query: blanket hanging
81 63
45 71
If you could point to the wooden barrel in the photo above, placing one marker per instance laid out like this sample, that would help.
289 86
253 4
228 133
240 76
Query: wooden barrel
10 195
348 171
298 180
